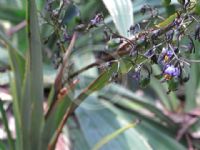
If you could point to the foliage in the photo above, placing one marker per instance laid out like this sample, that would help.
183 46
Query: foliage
73 74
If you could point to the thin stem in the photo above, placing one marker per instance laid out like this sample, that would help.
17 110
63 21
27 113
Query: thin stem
177 56
16 28
58 81
122 49
59 129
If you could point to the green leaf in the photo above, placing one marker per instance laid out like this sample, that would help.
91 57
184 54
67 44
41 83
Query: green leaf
17 62
16 109
5 122
191 87
2 146
101 121
123 67
53 121
122 14
75 134
144 82
13 14
197 8
135 110
161 91
166 2
96 85
128 99
167 21
70 14
172 85
4 57
32 95
170 100
113 135
151 133
165 142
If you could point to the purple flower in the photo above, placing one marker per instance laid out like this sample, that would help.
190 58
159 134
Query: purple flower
171 71
166 55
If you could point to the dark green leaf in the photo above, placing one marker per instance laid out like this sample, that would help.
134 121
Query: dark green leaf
144 82
13 14
32 94
172 85
166 2
71 12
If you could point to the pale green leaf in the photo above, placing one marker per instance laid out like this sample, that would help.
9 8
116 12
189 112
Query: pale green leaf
113 135
122 14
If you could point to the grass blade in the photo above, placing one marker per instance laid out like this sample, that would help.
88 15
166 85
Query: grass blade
2 146
5 121
32 96
17 62
113 135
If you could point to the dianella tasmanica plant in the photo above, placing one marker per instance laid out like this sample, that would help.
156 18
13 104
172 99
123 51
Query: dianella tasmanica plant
154 47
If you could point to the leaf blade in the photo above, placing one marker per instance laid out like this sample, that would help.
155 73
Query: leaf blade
113 135
122 14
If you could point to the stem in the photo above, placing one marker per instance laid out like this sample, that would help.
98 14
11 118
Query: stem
123 48
59 130
16 28
58 80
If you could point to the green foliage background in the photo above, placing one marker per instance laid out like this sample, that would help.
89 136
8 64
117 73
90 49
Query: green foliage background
102 108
